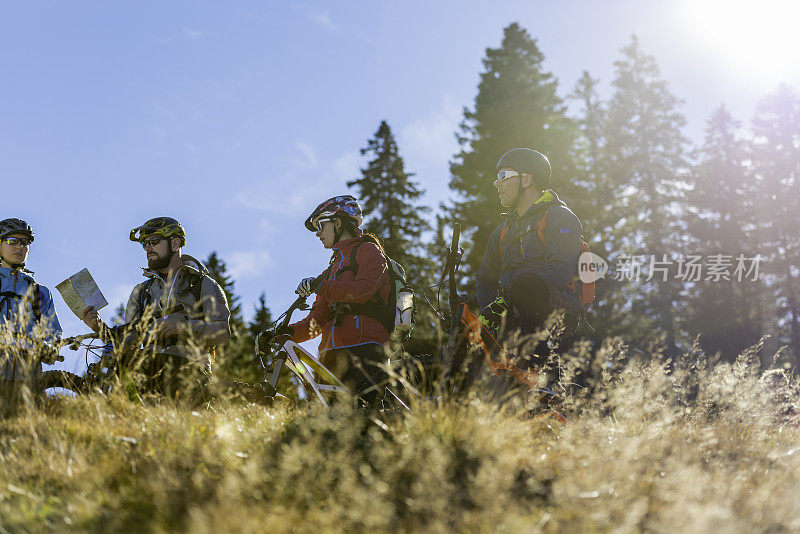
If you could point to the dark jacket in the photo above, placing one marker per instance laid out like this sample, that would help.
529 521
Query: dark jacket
343 286
523 252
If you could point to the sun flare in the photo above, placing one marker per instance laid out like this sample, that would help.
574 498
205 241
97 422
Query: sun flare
752 38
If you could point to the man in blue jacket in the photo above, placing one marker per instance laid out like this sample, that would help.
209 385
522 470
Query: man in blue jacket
27 312
532 258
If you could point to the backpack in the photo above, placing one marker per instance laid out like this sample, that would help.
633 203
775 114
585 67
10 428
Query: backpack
195 288
586 294
397 313
36 302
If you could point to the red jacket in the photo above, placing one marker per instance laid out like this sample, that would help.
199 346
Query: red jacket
372 279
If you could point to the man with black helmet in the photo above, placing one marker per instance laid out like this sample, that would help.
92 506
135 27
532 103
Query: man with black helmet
27 309
531 259
175 279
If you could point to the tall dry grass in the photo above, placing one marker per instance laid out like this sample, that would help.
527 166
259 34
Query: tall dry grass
650 445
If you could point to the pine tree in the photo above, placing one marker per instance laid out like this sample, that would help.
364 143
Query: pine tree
218 270
727 313
596 210
119 316
431 296
389 198
591 175
647 162
262 317
776 160
516 106
235 360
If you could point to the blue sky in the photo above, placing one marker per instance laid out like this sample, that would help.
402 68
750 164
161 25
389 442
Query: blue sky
237 118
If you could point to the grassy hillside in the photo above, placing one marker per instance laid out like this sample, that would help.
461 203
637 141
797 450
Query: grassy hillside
651 446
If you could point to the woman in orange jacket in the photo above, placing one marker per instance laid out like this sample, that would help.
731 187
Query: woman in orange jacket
351 299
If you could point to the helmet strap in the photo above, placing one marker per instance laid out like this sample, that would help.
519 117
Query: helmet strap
337 234
518 196
13 266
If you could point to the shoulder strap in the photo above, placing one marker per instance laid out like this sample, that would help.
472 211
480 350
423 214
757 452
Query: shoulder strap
503 232
36 299
353 263
36 304
144 297
541 225
196 286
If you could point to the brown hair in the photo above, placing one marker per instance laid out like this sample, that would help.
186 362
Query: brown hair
348 225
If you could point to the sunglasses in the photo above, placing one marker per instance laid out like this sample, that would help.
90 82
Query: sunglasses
505 175
318 224
151 242
17 241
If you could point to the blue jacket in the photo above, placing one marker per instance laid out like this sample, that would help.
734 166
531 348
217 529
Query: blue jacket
521 251
14 284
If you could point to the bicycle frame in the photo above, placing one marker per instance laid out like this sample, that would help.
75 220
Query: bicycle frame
467 330
299 360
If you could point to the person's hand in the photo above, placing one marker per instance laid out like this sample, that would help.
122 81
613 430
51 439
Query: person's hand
50 356
266 339
494 315
170 326
306 287
92 318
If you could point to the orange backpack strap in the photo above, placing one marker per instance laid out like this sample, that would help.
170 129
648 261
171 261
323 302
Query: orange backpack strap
503 232
541 225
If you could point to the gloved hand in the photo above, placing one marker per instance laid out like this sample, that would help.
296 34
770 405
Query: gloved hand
494 315
50 356
306 287
266 340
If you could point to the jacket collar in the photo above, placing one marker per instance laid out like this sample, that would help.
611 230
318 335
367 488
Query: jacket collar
187 262
548 198
346 245
21 271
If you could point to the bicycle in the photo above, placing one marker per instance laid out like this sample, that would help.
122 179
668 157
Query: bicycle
286 354
471 349
113 362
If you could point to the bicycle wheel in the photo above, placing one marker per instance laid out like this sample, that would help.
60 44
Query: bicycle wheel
58 379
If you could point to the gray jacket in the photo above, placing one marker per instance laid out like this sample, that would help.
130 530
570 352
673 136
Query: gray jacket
206 318
522 251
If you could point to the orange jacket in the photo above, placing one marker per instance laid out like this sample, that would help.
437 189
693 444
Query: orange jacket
343 286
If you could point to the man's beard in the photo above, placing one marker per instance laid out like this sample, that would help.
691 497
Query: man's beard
159 263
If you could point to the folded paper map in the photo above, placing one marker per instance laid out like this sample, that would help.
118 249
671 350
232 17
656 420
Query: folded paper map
80 291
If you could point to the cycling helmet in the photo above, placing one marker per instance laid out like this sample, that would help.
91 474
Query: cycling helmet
165 227
15 226
343 206
527 161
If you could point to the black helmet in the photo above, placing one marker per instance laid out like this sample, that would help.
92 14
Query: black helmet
15 226
527 161
165 227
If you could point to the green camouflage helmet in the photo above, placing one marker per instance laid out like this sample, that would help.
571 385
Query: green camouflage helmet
165 227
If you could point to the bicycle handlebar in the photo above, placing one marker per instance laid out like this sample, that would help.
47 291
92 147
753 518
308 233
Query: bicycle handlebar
299 304
74 341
